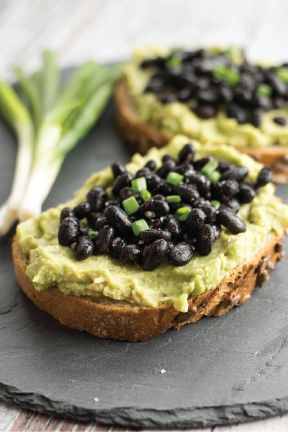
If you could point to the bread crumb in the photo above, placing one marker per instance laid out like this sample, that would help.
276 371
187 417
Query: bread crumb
163 371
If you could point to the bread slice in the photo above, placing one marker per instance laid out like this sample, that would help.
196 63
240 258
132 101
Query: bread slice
119 320
141 136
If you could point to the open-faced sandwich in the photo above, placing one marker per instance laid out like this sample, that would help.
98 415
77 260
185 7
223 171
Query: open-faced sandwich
184 232
213 95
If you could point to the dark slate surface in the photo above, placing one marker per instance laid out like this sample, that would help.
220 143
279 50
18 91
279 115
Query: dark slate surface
218 371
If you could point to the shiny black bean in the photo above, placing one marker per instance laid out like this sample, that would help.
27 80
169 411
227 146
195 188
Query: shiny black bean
172 225
118 219
234 205
131 254
200 181
209 210
195 220
100 222
200 163
264 177
143 172
68 231
205 111
188 193
157 206
117 247
121 181
117 169
167 167
65 213
104 239
96 197
151 165
153 182
235 173
231 221
256 117
84 248
187 153
281 121
150 235
180 254
246 193
206 239
227 189
125 193
82 210
154 254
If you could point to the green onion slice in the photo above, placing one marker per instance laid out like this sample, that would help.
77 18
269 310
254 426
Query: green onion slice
130 205
139 225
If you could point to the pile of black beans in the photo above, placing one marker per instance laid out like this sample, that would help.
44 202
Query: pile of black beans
169 213
211 82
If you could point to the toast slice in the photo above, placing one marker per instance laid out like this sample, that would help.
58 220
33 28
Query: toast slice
141 136
123 321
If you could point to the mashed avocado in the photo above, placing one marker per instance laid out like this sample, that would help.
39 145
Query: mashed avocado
177 117
101 277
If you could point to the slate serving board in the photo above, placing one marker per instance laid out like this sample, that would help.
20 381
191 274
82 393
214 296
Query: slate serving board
218 371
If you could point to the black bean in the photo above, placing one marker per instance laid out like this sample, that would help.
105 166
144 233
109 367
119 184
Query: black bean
131 254
246 193
121 181
68 231
125 193
92 218
168 158
84 248
281 121
100 222
256 117
143 172
208 96
187 193
153 182
159 207
167 167
151 165
83 231
233 204
186 154
223 166
180 254
154 254
200 163
150 235
172 225
227 189
231 221
96 197
118 219
82 210
195 220
235 173
104 239
165 188
264 177
205 239
200 181
116 248
205 111
117 169
209 210
185 94
111 203
65 213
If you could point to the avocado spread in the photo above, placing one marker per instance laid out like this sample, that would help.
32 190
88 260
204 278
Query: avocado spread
106 279
178 117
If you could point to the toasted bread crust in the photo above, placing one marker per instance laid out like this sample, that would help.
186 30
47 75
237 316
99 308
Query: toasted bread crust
141 136
134 323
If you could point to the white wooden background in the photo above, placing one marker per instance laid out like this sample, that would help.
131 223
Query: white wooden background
109 29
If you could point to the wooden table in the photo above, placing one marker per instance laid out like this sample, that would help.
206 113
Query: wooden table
109 29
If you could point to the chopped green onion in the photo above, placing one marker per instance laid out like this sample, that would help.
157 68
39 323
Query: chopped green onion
264 90
130 205
209 167
92 234
173 61
145 195
282 73
173 199
214 176
139 184
139 225
174 178
226 74
209 170
216 203
182 213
